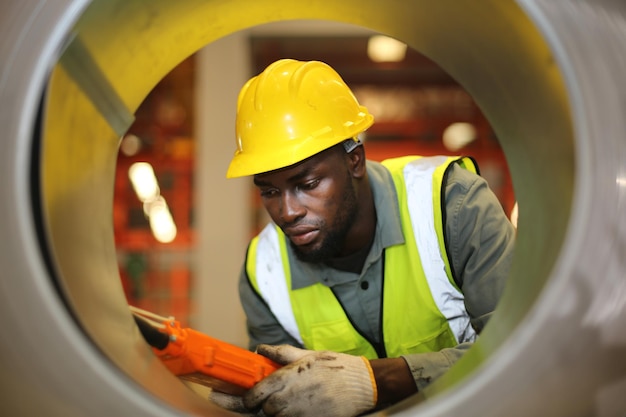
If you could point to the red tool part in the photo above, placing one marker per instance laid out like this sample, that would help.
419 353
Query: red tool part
194 356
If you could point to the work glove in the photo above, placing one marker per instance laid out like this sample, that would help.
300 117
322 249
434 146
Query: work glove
314 384
233 403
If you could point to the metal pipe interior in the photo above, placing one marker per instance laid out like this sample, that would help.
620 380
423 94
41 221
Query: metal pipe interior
555 347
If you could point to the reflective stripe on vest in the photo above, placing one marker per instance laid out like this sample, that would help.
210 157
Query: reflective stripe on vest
271 281
442 325
418 176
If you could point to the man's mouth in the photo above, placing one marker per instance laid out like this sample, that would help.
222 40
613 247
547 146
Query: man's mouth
302 236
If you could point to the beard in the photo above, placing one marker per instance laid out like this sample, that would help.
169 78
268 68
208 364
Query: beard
335 235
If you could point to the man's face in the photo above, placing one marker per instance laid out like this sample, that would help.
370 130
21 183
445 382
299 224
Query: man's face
313 202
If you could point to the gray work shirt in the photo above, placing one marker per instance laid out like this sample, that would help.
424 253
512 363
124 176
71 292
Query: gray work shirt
480 241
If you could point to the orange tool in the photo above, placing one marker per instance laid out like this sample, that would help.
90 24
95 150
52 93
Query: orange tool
196 357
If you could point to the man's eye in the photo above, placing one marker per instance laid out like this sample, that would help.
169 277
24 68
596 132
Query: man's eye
268 193
309 185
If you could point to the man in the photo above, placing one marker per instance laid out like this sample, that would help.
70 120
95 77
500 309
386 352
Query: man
372 279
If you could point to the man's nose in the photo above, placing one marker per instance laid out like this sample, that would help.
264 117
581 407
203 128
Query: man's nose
291 208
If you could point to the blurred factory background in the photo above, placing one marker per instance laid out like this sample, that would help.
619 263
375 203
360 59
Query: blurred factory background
181 228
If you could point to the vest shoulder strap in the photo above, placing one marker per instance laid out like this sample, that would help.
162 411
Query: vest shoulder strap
271 278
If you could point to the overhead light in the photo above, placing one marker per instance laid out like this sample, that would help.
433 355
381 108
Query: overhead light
154 205
458 135
144 181
131 145
161 221
382 48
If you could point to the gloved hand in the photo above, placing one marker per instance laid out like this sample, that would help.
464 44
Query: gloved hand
313 384
232 403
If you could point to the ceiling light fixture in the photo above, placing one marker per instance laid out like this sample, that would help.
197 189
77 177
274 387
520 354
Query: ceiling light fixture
459 135
382 48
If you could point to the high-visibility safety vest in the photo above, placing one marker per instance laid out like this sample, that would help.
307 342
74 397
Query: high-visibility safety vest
423 310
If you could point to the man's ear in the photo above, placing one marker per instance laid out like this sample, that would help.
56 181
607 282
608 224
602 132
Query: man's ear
356 161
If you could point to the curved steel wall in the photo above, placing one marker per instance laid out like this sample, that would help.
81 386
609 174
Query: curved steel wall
547 73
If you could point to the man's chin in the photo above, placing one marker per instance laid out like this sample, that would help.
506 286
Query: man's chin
309 253
306 256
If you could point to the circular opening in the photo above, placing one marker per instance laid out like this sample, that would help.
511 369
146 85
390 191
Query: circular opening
93 93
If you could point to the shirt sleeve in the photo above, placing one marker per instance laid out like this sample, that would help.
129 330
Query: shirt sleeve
480 241
261 324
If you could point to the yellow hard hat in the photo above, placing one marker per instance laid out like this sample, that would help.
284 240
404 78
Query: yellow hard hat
291 111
